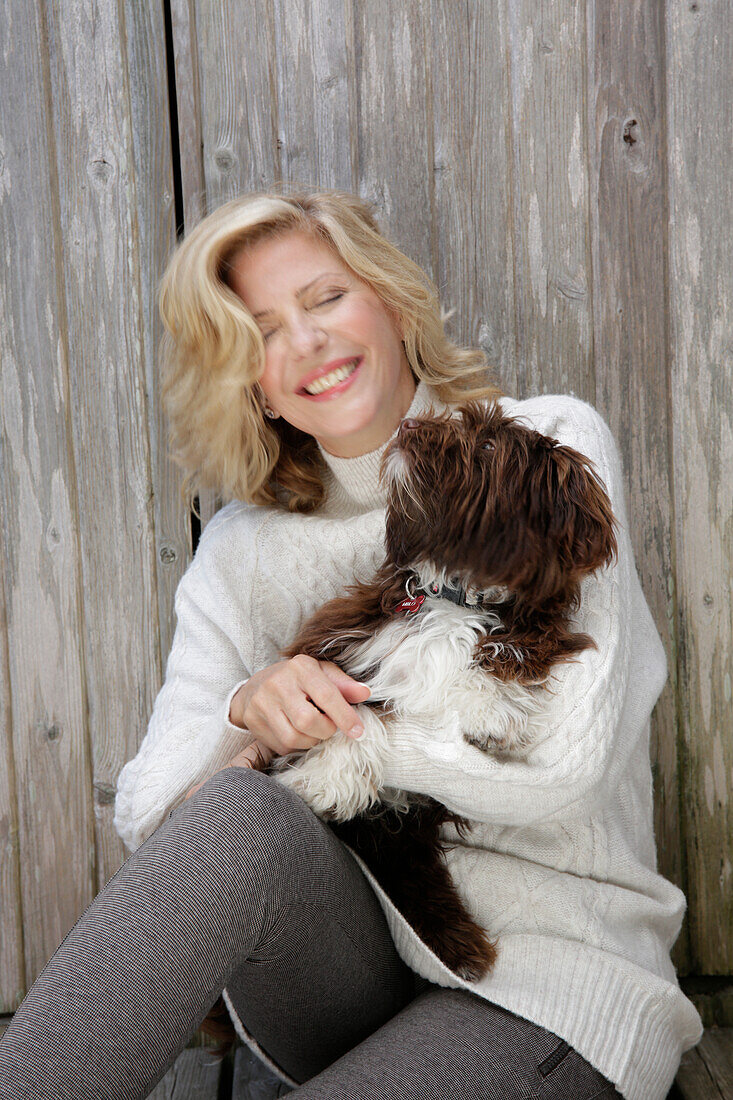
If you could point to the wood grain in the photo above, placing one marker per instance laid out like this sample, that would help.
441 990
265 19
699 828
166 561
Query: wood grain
12 981
155 230
188 110
46 805
700 171
195 1076
564 172
394 123
103 271
627 207
693 1080
472 180
550 218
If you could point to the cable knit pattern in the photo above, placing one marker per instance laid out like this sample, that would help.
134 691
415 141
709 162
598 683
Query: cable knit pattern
560 862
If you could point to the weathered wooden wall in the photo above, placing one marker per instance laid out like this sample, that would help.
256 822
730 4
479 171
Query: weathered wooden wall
564 172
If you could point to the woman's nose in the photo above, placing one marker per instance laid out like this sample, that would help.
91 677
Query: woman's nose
307 334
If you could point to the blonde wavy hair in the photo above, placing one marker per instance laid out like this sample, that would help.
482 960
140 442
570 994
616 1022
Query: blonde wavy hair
212 352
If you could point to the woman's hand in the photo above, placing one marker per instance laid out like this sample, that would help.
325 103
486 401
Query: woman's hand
298 702
255 756
292 705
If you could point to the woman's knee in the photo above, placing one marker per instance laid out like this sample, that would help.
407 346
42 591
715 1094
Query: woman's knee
243 809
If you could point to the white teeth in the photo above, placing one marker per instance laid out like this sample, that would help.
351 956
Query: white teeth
328 380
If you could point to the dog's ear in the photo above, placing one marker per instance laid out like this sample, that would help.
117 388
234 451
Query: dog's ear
554 524
581 521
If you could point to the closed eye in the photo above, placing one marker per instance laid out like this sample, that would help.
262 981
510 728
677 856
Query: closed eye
325 302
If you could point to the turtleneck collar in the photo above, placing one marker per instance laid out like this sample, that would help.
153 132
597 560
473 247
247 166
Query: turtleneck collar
352 484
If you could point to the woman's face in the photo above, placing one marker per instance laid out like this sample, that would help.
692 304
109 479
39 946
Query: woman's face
313 314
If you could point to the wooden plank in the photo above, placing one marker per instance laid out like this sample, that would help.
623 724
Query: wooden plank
700 168
156 238
472 179
706 1071
253 1080
315 97
195 1075
394 122
237 98
45 735
546 58
100 199
713 999
716 1050
627 212
12 980
693 1080
188 109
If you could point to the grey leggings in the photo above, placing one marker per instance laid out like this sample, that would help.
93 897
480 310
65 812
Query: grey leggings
244 887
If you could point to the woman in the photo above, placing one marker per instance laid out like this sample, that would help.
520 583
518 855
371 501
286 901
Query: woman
297 338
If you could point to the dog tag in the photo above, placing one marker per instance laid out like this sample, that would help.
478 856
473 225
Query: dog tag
410 605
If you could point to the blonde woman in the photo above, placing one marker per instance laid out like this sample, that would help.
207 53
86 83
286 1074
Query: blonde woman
297 339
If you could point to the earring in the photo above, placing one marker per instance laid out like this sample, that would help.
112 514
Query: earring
262 402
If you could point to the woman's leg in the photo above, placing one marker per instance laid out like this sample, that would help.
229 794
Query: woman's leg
241 887
452 1043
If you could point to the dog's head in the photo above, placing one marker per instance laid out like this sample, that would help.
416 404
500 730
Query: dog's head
490 501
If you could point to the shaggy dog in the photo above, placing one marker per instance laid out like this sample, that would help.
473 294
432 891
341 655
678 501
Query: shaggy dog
490 528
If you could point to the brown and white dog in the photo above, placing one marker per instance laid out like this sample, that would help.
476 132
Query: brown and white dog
490 528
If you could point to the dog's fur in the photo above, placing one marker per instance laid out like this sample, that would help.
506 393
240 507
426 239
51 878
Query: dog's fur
478 501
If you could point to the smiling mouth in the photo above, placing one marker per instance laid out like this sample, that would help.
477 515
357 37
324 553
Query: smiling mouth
327 381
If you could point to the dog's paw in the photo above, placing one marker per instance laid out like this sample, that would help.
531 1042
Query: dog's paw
332 794
508 743
302 781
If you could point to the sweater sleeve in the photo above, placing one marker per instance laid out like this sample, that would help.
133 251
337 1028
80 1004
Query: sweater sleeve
593 720
189 736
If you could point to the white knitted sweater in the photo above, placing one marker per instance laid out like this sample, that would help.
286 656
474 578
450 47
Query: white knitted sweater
560 863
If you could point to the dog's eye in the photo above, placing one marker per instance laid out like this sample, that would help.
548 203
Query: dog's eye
490 446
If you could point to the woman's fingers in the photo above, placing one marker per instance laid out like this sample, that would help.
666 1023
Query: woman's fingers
297 702
256 755
283 736
354 690
304 705
306 718
332 711
322 682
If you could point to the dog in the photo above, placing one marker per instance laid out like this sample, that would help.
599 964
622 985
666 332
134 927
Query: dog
490 528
